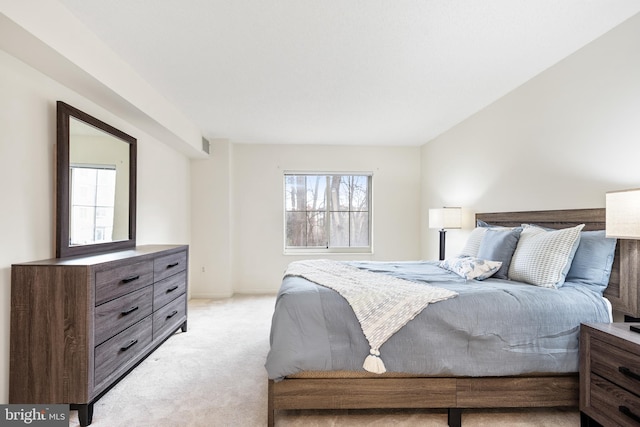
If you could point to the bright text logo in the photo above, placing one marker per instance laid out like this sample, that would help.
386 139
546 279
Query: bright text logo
34 415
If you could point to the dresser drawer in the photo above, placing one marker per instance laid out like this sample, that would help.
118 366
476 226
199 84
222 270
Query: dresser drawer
112 354
615 364
620 406
117 315
170 316
114 282
169 265
169 289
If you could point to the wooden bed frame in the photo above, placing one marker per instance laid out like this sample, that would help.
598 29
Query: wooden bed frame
363 390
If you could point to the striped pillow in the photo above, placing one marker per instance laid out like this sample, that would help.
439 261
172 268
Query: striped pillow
543 257
472 246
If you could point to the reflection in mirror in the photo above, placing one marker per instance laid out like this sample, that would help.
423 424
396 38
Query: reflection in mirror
96 185
99 183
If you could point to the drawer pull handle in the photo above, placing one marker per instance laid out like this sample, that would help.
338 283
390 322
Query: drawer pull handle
131 310
625 410
173 313
175 264
172 289
130 279
129 345
627 372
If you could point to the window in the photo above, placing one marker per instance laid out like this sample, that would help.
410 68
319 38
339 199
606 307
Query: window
92 204
328 213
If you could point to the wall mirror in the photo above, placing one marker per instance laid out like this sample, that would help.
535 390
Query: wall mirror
95 185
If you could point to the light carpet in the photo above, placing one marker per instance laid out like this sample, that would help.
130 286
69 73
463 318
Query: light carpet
213 375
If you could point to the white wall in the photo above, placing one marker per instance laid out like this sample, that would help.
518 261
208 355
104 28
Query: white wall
255 201
561 140
212 222
27 138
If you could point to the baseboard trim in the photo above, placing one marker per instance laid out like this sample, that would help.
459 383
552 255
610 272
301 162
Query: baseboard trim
223 296
209 296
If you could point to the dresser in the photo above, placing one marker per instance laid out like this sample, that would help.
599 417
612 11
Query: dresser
79 325
609 375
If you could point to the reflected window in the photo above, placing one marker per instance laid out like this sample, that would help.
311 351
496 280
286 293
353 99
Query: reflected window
93 190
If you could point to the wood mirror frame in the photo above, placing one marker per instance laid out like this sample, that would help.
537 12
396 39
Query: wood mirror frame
64 248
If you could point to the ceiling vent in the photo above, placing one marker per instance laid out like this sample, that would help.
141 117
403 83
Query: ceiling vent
206 145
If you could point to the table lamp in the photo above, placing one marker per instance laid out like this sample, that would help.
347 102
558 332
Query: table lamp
623 217
445 218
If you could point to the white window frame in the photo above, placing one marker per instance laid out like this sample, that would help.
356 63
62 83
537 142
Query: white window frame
94 206
310 250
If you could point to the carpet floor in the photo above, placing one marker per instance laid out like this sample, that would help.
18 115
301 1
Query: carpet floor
213 375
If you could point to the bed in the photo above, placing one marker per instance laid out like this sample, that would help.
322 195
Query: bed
318 370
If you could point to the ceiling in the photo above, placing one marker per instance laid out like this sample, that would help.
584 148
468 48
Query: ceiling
361 72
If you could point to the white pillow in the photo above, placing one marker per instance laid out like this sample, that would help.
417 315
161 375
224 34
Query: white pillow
543 257
471 268
472 246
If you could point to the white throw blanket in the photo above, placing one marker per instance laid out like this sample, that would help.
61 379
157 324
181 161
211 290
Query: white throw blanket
382 303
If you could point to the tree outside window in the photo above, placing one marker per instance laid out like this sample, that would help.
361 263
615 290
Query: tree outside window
328 211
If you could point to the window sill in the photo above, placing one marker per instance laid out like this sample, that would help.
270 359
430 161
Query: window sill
298 252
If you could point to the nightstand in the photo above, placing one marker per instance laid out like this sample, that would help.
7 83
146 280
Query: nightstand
609 375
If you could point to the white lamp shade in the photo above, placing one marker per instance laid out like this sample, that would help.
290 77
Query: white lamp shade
445 218
623 214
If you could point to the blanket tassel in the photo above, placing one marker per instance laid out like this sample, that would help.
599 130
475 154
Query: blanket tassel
373 363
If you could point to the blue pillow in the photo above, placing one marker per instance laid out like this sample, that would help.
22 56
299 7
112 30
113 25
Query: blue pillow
499 245
592 262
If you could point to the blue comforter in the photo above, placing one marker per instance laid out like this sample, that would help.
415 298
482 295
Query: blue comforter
492 328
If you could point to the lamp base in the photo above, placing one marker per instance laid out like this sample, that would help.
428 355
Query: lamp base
443 233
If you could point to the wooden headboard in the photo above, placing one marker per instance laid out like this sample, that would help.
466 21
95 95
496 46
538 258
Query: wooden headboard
625 275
